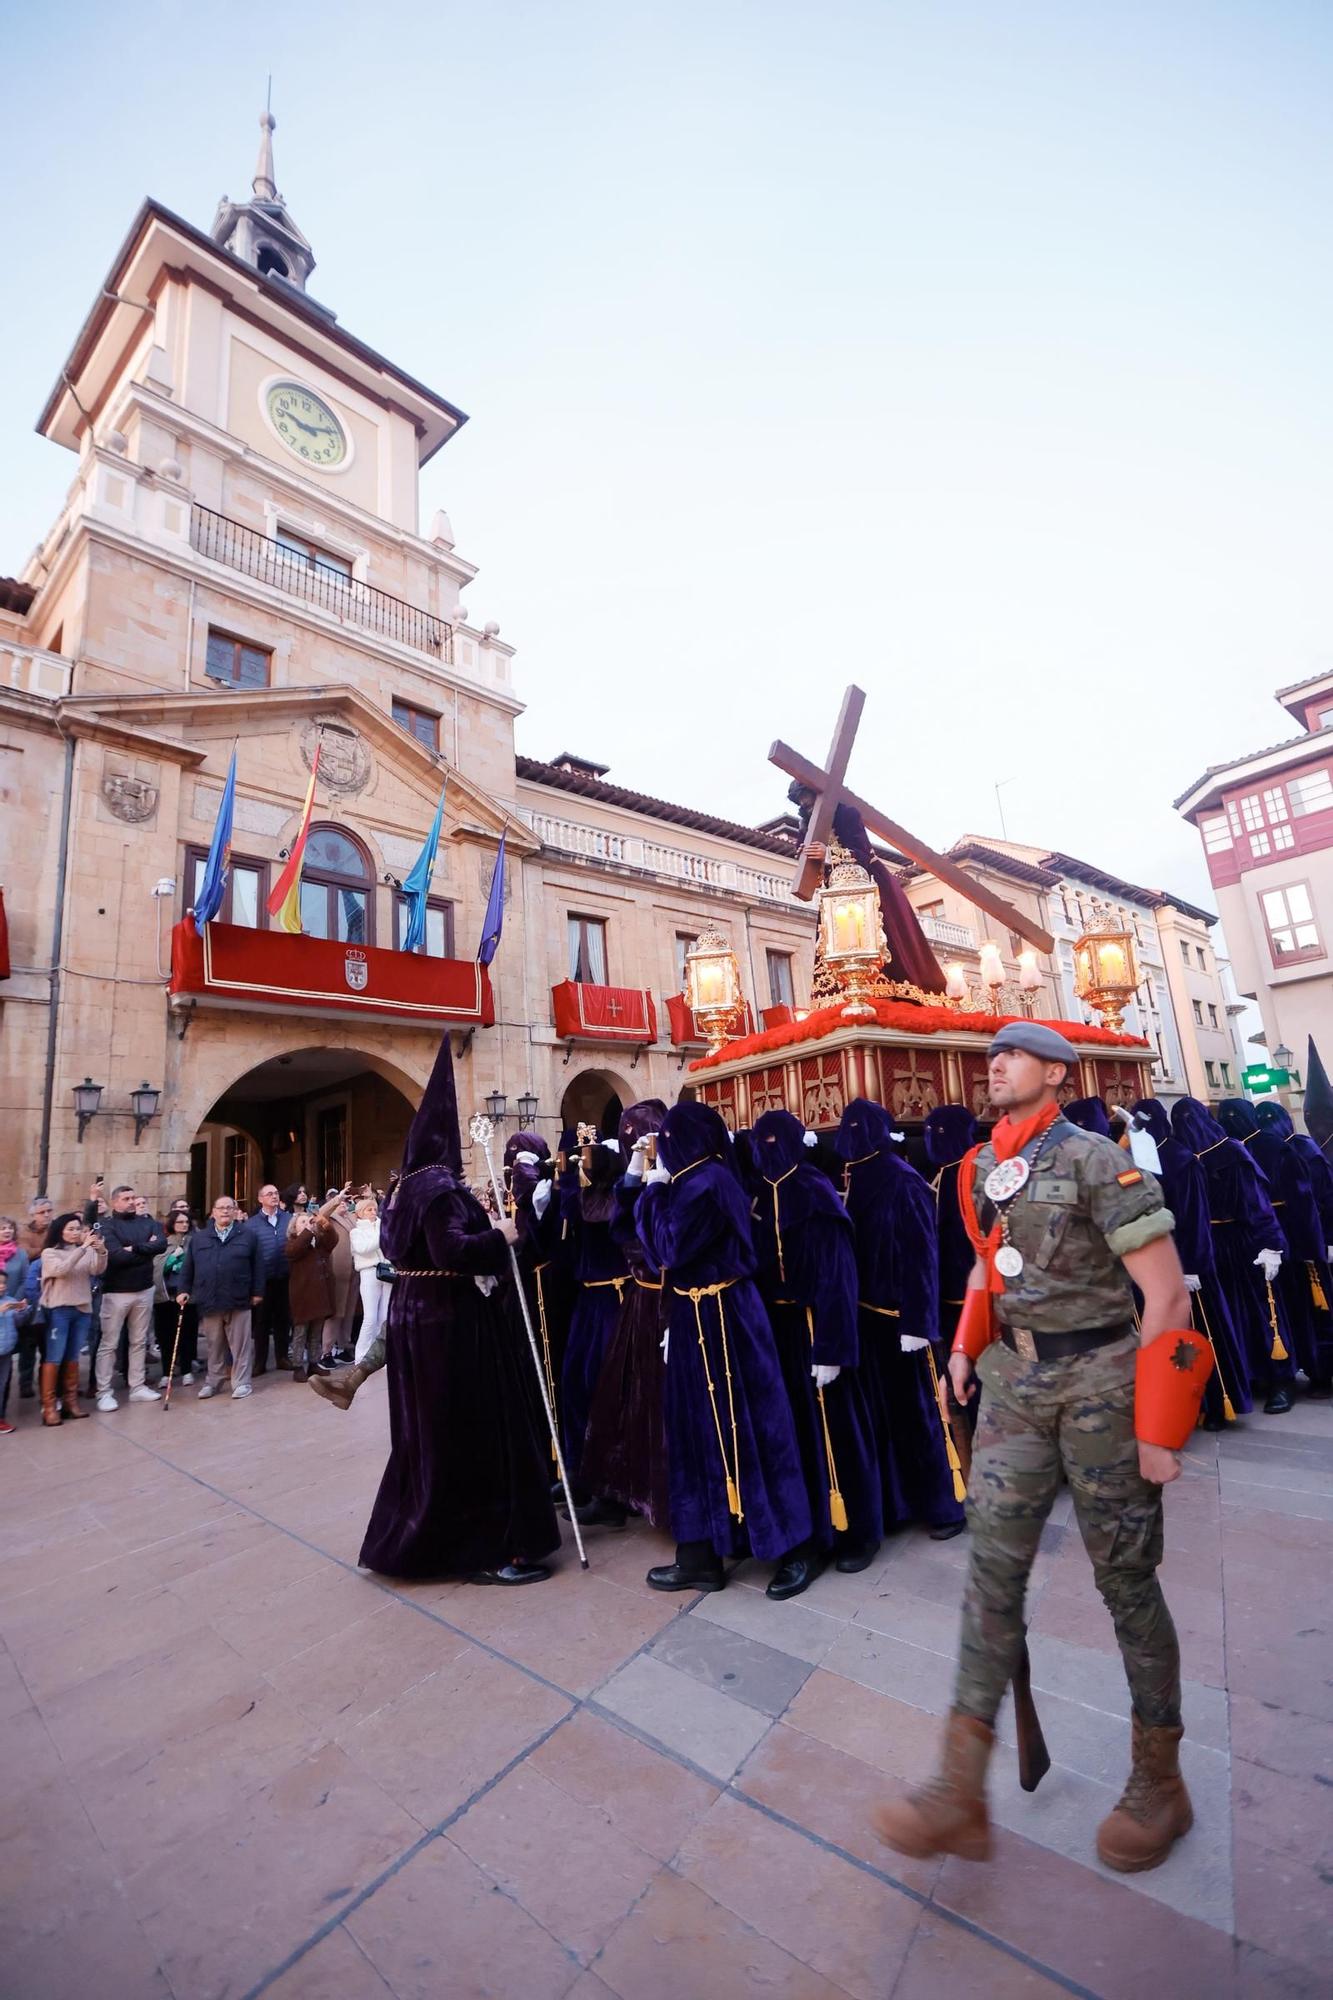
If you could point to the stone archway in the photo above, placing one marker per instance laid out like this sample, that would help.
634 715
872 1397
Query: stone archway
595 1097
316 1115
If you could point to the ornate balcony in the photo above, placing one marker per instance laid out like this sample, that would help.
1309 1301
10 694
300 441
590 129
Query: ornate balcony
655 857
261 972
621 1014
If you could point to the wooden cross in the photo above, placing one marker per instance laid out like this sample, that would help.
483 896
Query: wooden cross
831 791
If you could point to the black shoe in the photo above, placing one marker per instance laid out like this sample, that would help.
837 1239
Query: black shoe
856 1557
795 1574
1279 1402
319 1365
601 1514
947 1533
514 1572
685 1576
1212 1423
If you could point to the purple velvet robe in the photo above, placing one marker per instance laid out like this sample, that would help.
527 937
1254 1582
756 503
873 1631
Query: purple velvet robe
806 1251
601 1275
1185 1191
898 1278
697 1229
625 1452
543 1268
1243 1222
1304 1283
950 1130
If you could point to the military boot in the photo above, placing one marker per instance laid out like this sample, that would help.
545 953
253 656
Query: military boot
947 1815
1154 1809
341 1386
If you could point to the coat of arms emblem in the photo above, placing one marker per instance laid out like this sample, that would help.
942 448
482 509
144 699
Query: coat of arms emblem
356 971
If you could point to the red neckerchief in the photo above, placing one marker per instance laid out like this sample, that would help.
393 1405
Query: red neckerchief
1008 1140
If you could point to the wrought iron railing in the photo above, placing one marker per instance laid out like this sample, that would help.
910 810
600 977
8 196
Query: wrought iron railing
245 549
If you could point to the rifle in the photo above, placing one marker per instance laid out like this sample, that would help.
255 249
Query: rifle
1034 1759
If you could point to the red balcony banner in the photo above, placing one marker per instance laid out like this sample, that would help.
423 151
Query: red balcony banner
603 1013
258 971
685 1031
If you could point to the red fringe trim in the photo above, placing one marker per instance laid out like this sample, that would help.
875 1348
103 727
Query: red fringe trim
908 1020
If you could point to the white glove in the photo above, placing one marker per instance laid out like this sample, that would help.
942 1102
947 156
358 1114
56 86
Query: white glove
1270 1263
637 1161
810 1139
1328 1252
666 1342
912 1343
485 1285
1193 1284
541 1199
824 1374
612 1145
526 1160
656 1176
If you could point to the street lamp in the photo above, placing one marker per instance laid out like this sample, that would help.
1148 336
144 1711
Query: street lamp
143 1103
496 1106
527 1110
1284 1058
87 1102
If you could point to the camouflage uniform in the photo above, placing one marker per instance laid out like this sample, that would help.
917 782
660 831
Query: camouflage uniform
1083 1208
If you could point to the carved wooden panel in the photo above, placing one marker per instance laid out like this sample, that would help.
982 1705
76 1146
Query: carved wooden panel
823 1090
768 1091
911 1081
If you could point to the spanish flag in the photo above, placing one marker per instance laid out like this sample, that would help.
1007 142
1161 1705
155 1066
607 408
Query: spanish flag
284 901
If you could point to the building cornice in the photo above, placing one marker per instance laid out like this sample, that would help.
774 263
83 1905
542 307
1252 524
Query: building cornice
1219 778
549 777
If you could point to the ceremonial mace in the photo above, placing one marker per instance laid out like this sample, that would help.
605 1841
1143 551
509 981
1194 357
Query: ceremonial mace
481 1130
171 1371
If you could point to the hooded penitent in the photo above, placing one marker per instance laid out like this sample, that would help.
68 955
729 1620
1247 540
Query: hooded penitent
806 1248
624 1451
897 1256
1304 1283
601 1278
1274 1117
736 1479
950 1129
1243 1222
1089 1114
467 1486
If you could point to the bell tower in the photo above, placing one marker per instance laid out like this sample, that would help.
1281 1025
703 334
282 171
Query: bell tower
261 232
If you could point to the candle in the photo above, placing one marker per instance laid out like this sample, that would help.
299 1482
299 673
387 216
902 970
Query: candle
1029 972
955 982
992 965
708 983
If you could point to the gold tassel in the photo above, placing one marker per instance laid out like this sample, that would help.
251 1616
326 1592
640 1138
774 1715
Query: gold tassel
732 1482
733 1497
1317 1289
837 1506
1228 1407
1278 1351
941 1404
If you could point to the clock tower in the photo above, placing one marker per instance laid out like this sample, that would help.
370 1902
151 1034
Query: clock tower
261 232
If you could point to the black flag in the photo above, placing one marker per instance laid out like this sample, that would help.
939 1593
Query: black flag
1318 1101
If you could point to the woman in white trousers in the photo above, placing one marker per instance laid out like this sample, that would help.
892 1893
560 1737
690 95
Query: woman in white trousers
366 1255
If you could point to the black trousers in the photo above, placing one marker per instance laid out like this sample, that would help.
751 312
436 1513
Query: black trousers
31 1338
272 1324
165 1315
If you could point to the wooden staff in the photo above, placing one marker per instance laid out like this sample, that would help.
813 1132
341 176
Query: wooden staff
171 1370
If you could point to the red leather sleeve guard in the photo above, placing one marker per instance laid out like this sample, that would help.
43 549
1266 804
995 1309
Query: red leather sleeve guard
1170 1375
976 1324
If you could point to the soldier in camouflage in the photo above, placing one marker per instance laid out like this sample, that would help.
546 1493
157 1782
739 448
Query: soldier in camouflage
1067 1223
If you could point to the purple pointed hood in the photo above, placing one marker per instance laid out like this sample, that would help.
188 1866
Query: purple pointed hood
779 1144
1089 1114
1151 1112
692 1132
1194 1125
1274 1117
637 1121
1238 1119
432 1138
949 1132
866 1128
525 1174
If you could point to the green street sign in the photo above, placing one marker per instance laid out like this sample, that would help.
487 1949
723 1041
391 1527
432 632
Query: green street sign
1259 1078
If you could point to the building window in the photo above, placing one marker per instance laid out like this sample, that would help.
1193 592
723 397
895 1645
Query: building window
1283 837
1251 812
236 1169
1260 845
1212 1015
781 991
1233 816
1185 953
331 1146
301 551
1216 834
1289 918
684 944
439 926
1310 794
587 950
935 909
1275 805
246 896
337 888
235 662
1226 1076
1202 957
1198 1013
1210 1071
418 722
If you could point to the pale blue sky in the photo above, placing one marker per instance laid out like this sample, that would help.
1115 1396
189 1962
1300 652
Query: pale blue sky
976 352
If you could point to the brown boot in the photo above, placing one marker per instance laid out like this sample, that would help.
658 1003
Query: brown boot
947 1815
1154 1809
341 1386
49 1376
69 1391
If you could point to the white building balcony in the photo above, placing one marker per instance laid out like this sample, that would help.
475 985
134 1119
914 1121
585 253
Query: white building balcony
32 671
655 857
951 937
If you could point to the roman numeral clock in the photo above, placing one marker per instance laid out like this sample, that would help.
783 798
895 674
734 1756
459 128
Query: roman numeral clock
306 424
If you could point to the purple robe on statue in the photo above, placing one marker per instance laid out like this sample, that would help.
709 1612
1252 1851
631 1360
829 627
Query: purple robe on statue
898 1266
1185 1191
602 1278
806 1247
910 956
1243 1222
697 1229
1304 1283
467 1486
625 1452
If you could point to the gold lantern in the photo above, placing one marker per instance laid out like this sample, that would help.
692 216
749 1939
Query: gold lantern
713 986
1106 970
851 935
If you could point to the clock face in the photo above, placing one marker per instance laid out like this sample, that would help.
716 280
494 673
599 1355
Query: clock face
306 424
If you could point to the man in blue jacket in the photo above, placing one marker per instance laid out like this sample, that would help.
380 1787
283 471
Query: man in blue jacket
272 1324
223 1274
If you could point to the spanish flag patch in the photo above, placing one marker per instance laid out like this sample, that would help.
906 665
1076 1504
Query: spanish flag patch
1130 1178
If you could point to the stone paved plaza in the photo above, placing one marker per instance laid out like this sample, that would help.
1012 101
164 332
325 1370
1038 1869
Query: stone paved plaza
235 1765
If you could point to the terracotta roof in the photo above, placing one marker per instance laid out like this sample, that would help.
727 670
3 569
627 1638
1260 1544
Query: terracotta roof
1156 899
16 596
1269 750
538 773
1005 864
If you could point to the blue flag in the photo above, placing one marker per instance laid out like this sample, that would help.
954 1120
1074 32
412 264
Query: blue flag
214 886
495 911
416 887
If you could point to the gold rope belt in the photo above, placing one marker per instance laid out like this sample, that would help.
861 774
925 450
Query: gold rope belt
400 1273
646 1285
601 1284
732 1472
886 1312
837 1506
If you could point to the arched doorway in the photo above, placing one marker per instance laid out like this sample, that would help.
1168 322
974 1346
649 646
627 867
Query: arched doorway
595 1097
318 1115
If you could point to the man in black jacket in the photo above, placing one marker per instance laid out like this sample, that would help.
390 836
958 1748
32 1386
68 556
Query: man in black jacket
132 1242
223 1273
273 1323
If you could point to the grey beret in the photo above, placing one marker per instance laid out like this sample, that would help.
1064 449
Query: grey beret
1035 1039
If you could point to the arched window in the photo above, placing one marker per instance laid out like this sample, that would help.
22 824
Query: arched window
337 887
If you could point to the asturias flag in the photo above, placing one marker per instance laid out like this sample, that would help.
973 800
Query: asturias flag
495 911
214 886
417 885
284 901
